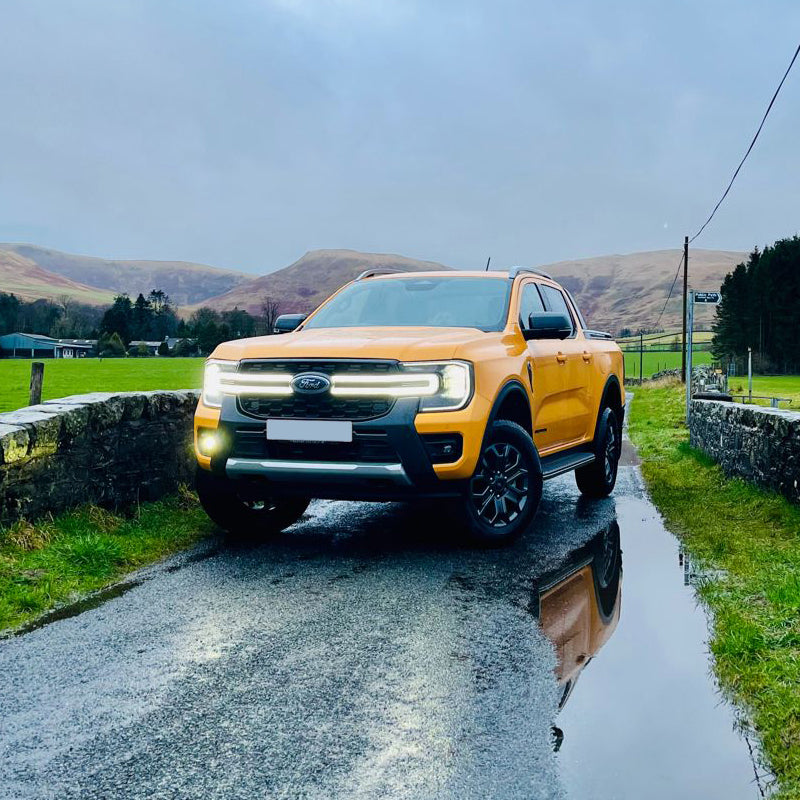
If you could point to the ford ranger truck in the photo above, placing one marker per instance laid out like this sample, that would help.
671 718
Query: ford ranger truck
467 387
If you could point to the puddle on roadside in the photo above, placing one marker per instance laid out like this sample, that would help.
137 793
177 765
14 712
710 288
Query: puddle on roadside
646 719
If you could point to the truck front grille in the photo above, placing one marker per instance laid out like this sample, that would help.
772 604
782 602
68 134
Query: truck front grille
314 407
321 406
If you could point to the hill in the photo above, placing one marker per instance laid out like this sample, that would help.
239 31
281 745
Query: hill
29 281
629 290
186 283
613 291
303 285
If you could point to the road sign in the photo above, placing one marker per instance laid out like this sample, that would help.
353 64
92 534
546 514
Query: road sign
707 297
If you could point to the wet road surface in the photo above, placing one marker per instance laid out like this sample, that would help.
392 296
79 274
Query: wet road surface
366 654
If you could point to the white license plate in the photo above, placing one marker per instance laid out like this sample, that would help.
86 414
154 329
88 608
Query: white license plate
309 430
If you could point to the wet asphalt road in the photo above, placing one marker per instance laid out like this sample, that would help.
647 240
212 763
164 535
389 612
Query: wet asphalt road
363 654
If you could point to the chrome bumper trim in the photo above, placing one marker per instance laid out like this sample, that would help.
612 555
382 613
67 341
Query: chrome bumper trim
298 470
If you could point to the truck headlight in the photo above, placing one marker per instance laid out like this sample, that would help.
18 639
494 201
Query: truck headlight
455 383
212 380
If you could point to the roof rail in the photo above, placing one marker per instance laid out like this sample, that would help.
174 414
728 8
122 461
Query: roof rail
514 271
369 273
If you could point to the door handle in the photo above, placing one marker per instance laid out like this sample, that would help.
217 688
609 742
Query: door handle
561 358
587 356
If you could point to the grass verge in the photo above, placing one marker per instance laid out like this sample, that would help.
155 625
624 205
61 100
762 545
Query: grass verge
60 560
753 536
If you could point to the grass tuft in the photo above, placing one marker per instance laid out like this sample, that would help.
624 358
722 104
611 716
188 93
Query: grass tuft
91 555
24 536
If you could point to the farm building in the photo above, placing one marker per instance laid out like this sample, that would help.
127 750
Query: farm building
34 345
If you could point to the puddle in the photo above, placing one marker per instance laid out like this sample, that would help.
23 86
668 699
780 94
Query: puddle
639 713
73 609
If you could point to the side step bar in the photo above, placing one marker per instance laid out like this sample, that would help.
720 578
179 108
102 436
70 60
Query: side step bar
560 463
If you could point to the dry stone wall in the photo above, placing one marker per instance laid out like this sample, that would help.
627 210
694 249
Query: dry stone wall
112 449
759 444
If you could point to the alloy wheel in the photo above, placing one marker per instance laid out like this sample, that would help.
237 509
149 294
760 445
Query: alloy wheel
499 488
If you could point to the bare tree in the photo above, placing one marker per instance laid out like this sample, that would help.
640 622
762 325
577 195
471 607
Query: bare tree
66 303
268 315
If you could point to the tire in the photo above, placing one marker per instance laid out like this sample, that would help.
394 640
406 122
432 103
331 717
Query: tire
607 570
599 478
504 493
246 516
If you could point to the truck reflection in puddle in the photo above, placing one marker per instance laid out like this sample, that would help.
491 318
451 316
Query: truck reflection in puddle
577 606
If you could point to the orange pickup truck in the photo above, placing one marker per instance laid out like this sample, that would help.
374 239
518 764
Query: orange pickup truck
466 386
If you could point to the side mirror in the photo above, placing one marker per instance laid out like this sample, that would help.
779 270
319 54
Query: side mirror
548 325
286 323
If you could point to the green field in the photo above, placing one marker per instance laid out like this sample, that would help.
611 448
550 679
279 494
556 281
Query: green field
68 376
787 386
655 362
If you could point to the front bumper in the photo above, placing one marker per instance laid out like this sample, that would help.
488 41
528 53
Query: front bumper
305 471
387 460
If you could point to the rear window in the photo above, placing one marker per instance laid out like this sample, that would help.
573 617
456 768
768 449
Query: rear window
439 302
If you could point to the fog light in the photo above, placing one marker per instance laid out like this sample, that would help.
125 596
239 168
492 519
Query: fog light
443 448
208 443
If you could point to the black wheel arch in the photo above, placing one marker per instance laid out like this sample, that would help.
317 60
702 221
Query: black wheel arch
511 404
611 398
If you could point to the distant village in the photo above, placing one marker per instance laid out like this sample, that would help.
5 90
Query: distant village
35 345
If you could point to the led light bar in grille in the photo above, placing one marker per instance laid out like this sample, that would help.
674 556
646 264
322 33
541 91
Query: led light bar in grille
276 384
280 385
410 385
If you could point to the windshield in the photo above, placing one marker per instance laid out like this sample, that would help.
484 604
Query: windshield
439 302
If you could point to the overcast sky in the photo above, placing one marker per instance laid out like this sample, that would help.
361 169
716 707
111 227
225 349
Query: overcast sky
243 133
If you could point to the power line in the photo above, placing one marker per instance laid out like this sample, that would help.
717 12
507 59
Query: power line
752 144
680 264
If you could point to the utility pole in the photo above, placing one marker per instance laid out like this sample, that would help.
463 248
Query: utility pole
685 295
688 355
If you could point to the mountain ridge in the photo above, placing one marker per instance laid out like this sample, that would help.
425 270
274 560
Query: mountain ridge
613 291
185 282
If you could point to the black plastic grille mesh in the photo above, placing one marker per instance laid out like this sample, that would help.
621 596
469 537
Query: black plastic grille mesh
371 448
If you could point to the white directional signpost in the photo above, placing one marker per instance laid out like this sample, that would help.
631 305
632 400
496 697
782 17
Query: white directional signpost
694 297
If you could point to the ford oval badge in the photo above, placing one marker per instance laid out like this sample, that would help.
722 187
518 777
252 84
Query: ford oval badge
311 383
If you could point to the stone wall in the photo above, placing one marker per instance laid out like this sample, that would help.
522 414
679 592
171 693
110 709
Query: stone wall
112 449
752 442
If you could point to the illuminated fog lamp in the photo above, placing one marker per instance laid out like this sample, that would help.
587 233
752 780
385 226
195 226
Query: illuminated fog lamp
208 443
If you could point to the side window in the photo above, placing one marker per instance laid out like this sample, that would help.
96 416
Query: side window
555 302
530 302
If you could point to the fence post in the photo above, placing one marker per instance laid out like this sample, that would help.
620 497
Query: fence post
641 357
750 373
37 377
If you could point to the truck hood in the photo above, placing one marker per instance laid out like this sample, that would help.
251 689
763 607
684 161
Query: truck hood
403 344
